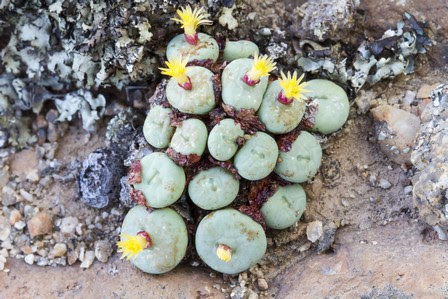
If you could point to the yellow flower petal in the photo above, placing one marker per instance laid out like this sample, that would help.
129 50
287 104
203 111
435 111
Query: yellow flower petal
262 66
131 246
292 88
224 252
191 19
176 68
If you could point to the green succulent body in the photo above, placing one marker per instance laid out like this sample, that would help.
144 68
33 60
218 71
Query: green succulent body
285 207
162 180
213 188
332 105
168 234
230 227
302 162
257 158
206 48
239 49
190 137
157 128
277 117
222 141
238 94
200 99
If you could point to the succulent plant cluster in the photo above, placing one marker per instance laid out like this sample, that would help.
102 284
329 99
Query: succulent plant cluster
232 138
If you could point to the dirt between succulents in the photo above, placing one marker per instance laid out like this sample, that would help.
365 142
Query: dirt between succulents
380 247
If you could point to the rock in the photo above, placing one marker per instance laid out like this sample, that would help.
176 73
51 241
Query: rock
88 259
125 192
327 239
4 136
29 259
262 284
396 132
251 294
19 225
68 225
72 256
33 176
14 217
9 196
425 91
40 224
5 229
24 162
59 249
408 100
430 159
2 262
363 101
26 249
238 292
4 177
99 179
227 19
26 195
103 250
408 189
327 19
385 184
314 231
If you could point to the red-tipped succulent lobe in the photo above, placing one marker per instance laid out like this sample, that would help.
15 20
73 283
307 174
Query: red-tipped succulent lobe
147 238
192 39
187 85
284 100
248 81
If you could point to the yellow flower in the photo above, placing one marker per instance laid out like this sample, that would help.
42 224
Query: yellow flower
176 69
191 19
131 246
261 67
224 252
292 88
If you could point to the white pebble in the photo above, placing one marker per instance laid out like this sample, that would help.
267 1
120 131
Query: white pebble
89 257
29 259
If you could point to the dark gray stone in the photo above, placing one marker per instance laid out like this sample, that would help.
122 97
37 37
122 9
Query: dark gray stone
99 179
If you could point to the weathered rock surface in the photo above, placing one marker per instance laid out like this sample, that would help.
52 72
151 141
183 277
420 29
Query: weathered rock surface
99 179
430 158
396 132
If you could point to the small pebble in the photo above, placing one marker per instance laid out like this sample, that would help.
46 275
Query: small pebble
40 224
385 184
262 284
89 257
68 225
29 259
103 251
59 249
265 31
5 228
14 217
408 189
26 195
20 225
314 231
